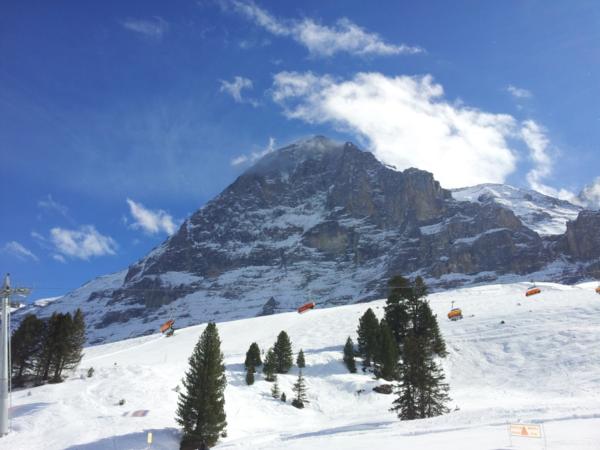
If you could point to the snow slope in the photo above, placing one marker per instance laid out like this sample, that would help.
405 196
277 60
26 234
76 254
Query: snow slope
543 214
542 365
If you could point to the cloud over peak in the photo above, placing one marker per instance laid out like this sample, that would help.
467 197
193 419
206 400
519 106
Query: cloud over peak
406 122
235 88
19 251
321 40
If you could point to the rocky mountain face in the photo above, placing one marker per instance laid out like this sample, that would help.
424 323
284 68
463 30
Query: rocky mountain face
325 221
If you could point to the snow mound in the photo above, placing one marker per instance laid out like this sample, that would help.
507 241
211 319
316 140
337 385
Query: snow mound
511 359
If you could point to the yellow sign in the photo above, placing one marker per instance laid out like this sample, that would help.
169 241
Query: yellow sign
526 430
149 438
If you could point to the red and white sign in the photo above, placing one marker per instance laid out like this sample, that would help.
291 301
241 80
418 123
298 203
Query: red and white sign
526 430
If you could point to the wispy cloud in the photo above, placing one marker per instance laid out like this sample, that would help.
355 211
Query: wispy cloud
235 88
590 195
19 251
255 155
518 93
50 205
534 136
321 40
151 221
83 243
153 28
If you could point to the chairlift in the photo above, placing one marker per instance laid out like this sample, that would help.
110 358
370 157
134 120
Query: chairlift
306 307
455 313
533 290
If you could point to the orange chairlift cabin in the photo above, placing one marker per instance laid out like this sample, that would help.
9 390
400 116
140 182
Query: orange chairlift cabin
455 313
306 307
167 328
533 290
598 290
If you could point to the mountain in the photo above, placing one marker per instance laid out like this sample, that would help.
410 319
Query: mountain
325 221
543 214
534 360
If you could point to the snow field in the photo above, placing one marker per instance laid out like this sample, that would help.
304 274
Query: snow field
542 365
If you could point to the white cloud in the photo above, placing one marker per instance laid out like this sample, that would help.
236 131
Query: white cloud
152 28
151 221
235 88
83 243
407 122
255 155
518 93
19 251
590 195
538 143
51 205
322 40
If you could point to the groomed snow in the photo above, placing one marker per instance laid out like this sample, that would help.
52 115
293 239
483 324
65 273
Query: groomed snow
542 365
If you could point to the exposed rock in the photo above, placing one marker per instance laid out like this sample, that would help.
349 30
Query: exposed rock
386 389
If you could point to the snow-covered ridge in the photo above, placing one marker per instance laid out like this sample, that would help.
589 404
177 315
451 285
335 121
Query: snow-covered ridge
511 359
543 214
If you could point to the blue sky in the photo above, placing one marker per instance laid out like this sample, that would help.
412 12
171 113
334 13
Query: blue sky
119 119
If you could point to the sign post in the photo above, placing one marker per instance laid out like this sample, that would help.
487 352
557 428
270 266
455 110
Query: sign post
526 430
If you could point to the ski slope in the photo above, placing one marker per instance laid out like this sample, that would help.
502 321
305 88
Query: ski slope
542 365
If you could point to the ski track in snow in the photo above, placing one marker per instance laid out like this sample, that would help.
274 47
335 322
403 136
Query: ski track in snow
542 366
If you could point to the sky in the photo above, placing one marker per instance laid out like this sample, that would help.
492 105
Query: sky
120 119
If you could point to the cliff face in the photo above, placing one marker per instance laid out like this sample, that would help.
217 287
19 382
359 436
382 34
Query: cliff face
325 220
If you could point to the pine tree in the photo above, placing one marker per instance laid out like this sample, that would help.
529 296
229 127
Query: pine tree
275 389
396 307
283 353
405 404
76 341
428 328
253 356
270 365
386 365
61 345
349 355
283 397
368 336
26 345
300 362
250 375
200 409
300 390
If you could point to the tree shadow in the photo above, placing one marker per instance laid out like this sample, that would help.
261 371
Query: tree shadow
162 439
26 409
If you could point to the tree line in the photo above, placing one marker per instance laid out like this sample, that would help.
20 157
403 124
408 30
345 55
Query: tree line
42 350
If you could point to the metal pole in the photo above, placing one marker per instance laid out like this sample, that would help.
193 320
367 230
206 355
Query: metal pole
4 350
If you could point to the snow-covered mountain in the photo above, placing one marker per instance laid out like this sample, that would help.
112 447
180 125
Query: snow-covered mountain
324 220
512 359
543 214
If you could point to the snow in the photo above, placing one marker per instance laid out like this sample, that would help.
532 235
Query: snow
542 366
543 214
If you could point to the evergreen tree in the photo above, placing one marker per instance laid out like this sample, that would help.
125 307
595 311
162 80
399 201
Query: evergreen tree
270 365
250 375
428 328
76 341
275 389
386 365
60 342
300 362
396 307
283 353
253 356
200 409
349 355
368 336
26 345
283 397
300 390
